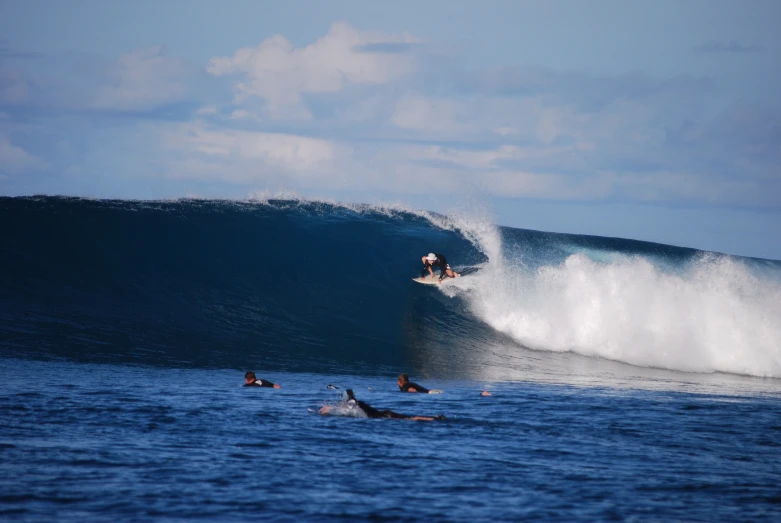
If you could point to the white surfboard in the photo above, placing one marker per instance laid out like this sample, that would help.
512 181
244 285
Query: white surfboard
432 281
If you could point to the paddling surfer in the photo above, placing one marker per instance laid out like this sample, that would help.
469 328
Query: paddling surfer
405 385
252 381
371 412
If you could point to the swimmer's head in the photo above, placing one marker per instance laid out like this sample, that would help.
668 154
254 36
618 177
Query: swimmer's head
350 395
249 377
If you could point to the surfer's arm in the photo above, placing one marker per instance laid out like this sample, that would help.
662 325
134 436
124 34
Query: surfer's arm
426 266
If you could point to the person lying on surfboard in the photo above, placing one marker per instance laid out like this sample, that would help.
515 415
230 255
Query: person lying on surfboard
437 260
405 385
371 412
251 381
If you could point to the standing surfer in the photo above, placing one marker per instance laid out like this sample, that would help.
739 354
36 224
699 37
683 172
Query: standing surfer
437 260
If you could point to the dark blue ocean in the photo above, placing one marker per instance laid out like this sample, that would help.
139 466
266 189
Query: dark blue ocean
630 381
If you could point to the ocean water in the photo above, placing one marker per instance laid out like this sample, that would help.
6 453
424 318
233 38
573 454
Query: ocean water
631 381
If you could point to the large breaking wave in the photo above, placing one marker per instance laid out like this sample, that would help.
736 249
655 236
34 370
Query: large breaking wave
310 286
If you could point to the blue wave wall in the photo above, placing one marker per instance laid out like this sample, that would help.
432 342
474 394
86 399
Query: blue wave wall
310 286
282 285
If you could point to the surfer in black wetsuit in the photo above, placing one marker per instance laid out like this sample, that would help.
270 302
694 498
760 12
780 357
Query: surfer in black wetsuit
437 260
371 412
252 381
405 385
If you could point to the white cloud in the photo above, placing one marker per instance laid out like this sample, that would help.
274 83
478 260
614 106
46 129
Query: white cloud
14 159
665 186
514 184
251 157
280 74
514 132
431 115
283 150
471 159
276 160
505 130
240 114
141 80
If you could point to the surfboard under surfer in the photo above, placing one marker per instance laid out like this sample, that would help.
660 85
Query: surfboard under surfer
432 260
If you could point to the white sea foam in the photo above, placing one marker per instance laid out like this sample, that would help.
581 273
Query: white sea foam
714 315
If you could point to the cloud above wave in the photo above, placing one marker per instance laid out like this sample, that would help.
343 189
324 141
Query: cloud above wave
375 110
280 74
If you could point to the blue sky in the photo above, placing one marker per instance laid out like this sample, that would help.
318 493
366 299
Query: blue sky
650 120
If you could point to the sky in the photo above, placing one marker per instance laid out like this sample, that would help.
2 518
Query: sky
656 121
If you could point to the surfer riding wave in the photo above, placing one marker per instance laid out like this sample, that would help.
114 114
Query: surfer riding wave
437 260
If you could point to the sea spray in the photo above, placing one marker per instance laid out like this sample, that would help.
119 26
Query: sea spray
713 314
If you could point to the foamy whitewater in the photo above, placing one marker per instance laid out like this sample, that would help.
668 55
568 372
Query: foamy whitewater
712 315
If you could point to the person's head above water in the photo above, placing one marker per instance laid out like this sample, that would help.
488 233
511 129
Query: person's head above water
350 395
403 378
431 257
249 377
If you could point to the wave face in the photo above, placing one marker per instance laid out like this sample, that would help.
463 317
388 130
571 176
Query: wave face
313 286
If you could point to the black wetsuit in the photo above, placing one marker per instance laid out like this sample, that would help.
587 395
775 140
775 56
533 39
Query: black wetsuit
418 388
371 412
440 263
259 383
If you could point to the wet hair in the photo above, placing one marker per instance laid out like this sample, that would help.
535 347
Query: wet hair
250 376
404 378
350 395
